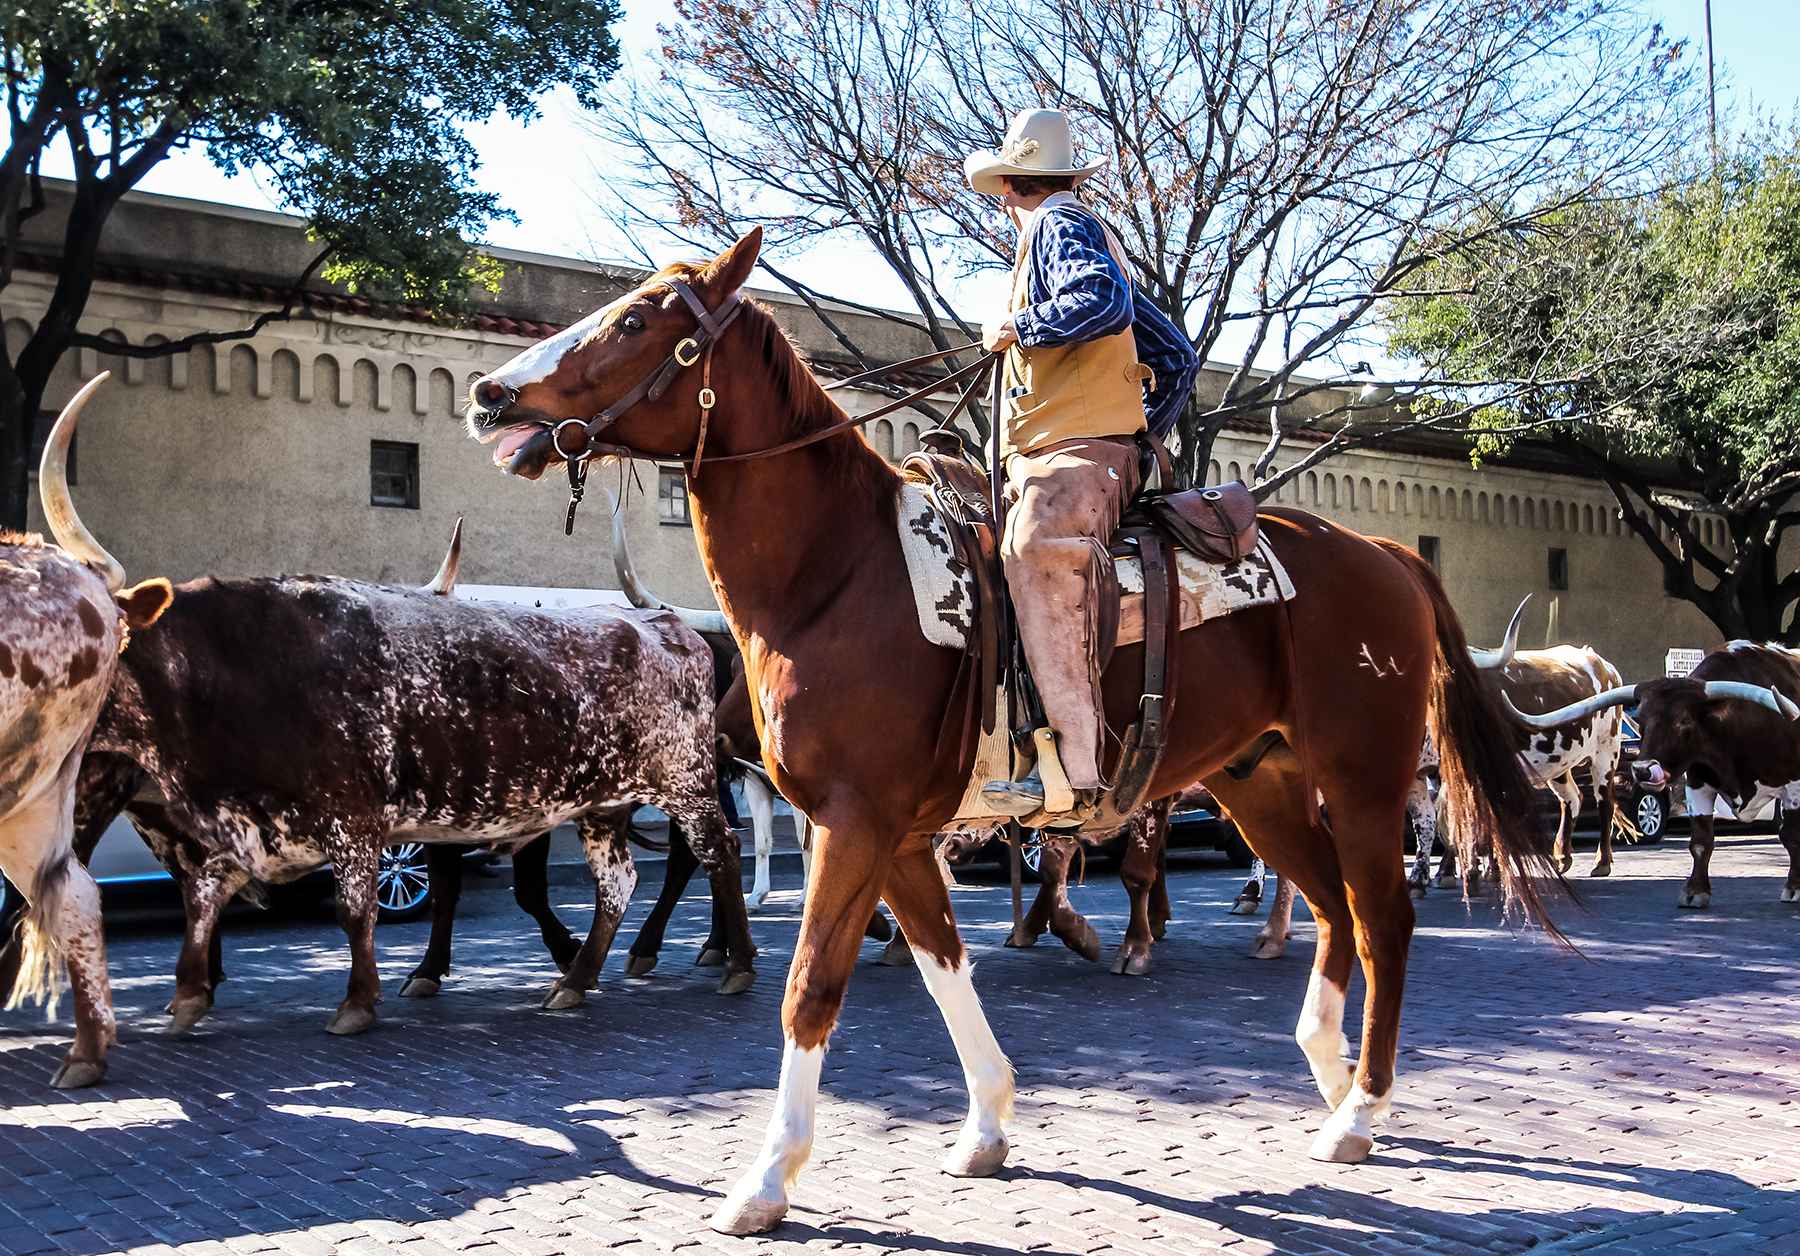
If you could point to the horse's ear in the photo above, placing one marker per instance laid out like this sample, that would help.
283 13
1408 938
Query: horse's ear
731 269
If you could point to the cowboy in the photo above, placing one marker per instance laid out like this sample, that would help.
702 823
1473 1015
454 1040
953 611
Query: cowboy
1088 366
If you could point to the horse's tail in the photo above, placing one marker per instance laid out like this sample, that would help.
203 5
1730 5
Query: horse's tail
1489 801
40 973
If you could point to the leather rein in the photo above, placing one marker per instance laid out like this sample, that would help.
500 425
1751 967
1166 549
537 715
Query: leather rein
698 348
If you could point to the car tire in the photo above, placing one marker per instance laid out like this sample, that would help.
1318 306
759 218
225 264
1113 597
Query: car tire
1031 859
1237 850
1650 812
402 883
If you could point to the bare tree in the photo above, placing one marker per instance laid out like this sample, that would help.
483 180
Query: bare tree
1277 168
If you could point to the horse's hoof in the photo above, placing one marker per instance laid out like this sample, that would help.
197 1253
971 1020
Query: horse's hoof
184 1014
711 957
738 982
749 1215
561 998
977 1160
1601 870
1020 941
74 1074
1790 893
638 965
1266 947
1244 905
1087 944
1345 1147
1696 901
1130 963
896 954
351 1018
421 988
880 928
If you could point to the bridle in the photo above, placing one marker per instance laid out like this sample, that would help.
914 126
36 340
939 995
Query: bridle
698 348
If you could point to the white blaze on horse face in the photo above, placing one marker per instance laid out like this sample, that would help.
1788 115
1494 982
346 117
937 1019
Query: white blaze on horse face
538 362
1320 1034
759 1199
981 1147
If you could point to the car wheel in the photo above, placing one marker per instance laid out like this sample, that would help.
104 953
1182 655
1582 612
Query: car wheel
1031 858
1237 850
402 883
1651 815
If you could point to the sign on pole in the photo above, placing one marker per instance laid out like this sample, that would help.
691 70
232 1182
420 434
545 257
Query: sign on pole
1679 661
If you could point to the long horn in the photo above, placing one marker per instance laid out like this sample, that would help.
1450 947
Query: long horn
1762 695
1488 660
1623 695
59 506
640 596
444 583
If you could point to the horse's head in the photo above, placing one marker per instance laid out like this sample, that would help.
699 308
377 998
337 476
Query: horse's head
644 343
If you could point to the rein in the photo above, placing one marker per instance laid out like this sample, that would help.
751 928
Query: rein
698 348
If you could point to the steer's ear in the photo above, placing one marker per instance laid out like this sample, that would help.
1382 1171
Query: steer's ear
731 269
143 604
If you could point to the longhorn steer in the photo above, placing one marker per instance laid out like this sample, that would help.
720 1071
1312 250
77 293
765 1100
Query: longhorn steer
1730 727
295 720
60 613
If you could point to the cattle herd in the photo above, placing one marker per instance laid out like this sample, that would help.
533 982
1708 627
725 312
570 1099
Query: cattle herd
255 729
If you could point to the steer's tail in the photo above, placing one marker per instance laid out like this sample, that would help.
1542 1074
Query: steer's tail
1488 800
40 955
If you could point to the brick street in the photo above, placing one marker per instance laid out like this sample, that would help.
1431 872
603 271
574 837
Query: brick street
1642 1098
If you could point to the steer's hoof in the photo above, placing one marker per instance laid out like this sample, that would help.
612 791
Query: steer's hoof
981 1159
1564 862
638 965
1268 946
351 1018
561 998
711 957
749 1214
1790 893
184 1014
880 928
1159 929
1018 939
896 954
1245 905
1341 1146
754 900
737 982
421 988
1447 880
74 1074
1130 962
1418 889
1697 901
1601 870
1085 943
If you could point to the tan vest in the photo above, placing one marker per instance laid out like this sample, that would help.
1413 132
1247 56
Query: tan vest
1094 388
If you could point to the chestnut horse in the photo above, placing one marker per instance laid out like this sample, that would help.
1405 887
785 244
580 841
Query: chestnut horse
794 514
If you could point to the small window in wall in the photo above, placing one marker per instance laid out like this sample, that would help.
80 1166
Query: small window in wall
394 474
40 434
671 498
1429 550
1559 568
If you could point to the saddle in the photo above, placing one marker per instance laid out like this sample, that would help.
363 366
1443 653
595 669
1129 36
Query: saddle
1216 524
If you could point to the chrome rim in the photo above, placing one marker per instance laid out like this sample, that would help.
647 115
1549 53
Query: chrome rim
401 883
1649 815
1031 852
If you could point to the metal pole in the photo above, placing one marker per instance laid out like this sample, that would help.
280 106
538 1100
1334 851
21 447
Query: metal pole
1712 104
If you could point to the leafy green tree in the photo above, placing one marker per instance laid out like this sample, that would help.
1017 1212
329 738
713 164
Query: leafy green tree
353 111
1655 342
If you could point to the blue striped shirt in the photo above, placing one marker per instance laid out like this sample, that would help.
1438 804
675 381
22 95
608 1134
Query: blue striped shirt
1075 291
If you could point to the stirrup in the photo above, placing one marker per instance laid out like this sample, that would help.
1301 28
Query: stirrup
1015 798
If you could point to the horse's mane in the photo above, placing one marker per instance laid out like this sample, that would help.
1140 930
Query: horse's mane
805 407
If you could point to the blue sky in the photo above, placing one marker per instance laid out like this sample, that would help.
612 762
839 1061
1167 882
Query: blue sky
543 170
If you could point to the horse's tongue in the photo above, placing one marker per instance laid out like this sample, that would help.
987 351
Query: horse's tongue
535 452
511 439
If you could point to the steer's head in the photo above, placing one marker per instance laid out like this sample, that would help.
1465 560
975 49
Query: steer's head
579 372
1689 731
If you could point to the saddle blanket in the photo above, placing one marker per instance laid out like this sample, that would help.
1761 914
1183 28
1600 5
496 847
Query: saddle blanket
944 590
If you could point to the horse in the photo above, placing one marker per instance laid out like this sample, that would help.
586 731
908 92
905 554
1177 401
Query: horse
860 717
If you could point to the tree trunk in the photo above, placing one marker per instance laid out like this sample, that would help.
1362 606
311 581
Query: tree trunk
15 451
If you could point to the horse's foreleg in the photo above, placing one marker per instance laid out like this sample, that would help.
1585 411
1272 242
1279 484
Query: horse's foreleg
850 865
762 823
443 870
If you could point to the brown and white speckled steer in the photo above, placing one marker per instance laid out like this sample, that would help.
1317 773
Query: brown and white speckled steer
61 608
294 720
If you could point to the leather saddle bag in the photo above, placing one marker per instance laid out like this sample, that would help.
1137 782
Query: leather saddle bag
1217 523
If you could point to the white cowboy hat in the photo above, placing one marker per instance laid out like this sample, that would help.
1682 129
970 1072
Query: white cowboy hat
1037 143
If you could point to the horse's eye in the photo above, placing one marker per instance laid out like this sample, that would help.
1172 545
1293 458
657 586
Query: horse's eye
632 322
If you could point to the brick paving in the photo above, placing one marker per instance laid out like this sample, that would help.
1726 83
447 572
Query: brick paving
1640 1099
